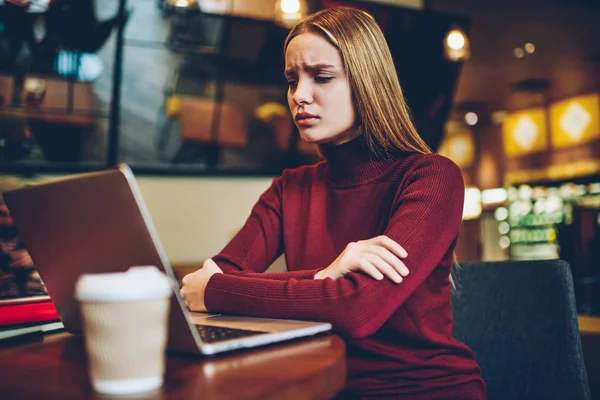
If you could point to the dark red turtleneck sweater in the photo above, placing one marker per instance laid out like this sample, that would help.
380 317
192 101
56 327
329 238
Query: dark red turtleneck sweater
398 336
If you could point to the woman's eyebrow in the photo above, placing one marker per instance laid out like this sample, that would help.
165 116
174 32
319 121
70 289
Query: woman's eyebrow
318 67
311 68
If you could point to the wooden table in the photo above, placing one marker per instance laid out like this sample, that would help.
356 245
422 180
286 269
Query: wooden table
54 105
53 367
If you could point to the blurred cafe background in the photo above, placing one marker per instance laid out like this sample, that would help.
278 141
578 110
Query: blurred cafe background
191 94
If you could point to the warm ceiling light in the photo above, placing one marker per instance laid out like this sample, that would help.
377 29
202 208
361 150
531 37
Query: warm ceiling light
519 52
456 45
471 118
288 12
529 48
455 39
290 6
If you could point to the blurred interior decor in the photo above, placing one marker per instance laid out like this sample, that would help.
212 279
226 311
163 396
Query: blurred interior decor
186 86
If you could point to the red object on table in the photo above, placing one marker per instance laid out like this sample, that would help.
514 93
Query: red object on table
13 314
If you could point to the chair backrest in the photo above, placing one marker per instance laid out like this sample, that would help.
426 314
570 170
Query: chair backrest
519 318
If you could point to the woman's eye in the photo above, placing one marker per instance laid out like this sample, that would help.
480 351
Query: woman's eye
323 79
292 84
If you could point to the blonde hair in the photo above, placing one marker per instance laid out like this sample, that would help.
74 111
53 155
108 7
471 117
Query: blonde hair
383 116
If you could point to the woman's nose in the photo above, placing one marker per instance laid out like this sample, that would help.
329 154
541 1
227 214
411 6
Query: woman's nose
303 92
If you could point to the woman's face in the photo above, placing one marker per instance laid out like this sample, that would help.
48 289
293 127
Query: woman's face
319 93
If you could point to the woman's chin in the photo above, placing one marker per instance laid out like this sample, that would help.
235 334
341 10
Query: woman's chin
309 139
313 136
313 139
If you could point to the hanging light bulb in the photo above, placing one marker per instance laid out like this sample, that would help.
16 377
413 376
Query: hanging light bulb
455 40
288 12
456 45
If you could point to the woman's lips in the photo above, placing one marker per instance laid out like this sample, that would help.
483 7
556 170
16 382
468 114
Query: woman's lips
306 119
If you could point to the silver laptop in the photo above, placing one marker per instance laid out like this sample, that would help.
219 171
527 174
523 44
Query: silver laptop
98 222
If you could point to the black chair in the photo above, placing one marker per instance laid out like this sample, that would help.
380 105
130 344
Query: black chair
519 318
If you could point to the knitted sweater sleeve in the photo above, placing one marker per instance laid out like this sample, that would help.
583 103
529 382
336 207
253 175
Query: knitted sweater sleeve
425 221
258 244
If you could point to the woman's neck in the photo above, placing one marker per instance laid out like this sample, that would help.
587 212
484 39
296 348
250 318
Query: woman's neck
353 162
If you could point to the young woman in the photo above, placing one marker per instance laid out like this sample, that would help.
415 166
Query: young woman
340 224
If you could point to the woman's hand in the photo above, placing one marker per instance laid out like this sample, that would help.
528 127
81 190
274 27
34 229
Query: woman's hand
194 285
376 257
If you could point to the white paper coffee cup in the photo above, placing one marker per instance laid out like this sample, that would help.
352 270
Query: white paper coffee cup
125 320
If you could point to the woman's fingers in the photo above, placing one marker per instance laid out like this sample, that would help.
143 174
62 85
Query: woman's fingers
385 268
391 245
389 258
378 257
370 269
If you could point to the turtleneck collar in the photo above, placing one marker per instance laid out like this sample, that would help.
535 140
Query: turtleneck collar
353 163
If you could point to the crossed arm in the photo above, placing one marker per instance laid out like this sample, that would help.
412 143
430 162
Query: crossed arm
426 225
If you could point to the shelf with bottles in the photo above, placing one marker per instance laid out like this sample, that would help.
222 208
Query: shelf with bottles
538 235
543 206
538 214
537 251
537 220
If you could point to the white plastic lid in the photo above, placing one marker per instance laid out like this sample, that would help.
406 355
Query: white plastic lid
137 283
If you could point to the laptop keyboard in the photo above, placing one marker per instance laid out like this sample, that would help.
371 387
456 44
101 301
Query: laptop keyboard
211 334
